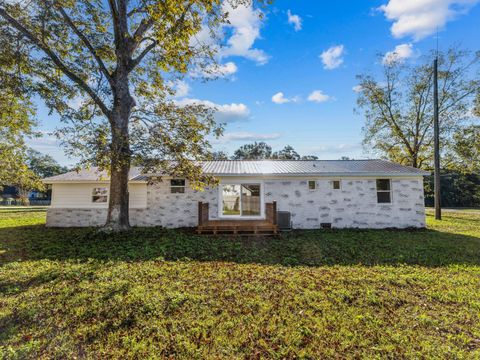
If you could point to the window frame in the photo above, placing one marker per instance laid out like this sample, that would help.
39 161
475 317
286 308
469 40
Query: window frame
184 186
390 191
241 182
314 182
332 182
99 196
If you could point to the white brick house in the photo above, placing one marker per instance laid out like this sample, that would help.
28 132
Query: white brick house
343 193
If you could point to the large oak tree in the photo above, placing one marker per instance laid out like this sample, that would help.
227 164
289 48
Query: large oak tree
109 67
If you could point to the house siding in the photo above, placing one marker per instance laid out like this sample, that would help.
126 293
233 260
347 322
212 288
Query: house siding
353 206
79 195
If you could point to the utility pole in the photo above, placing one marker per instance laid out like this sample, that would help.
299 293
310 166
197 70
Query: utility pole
436 134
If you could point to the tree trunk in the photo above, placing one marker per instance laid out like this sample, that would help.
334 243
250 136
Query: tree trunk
415 160
123 103
118 207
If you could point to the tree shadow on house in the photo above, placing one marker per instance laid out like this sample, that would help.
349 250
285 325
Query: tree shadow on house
428 248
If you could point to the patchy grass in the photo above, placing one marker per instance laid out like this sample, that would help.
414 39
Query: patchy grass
68 293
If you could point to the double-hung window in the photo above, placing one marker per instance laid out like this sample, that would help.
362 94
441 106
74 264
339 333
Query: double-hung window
240 200
384 191
177 186
336 184
99 195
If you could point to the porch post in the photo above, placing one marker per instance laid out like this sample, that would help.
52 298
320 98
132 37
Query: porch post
274 210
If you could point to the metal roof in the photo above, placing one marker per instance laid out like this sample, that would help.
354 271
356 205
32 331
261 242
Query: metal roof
266 168
93 174
308 167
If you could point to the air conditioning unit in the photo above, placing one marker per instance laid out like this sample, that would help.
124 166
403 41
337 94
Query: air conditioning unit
284 220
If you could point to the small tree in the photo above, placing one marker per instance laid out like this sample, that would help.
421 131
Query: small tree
398 108
465 154
309 157
254 151
43 165
107 67
287 153
16 124
219 155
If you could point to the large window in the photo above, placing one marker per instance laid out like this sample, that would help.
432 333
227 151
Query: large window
241 200
384 191
100 195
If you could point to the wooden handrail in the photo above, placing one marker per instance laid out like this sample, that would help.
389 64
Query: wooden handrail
271 212
202 213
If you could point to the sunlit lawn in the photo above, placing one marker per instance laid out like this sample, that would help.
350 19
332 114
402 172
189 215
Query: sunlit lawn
309 294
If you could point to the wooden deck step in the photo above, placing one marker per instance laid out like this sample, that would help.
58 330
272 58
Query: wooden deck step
240 227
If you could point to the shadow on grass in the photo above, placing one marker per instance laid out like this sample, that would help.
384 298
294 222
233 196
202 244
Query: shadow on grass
297 248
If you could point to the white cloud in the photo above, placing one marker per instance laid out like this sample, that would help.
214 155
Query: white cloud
248 136
318 96
244 22
357 88
421 18
399 54
181 88
295 20
224 113
77 102
279 98
332 57
216 71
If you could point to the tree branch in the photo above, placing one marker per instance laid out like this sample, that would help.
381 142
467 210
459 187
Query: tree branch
114 11
144 26
140 57
57 61
87 43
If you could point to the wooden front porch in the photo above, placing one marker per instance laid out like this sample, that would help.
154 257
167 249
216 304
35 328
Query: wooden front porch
267 226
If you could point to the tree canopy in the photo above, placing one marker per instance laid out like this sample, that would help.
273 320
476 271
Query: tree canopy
43 165
465 154
109 68
16 124
287 153
263 151
398 107
254 151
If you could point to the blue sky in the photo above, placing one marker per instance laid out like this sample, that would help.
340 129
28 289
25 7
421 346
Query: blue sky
277 86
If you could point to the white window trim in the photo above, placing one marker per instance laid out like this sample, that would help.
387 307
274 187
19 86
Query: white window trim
308 185
178 186
384 191
240 217
331 184
101 202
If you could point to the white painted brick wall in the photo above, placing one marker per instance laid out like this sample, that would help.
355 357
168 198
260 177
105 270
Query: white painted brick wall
354 205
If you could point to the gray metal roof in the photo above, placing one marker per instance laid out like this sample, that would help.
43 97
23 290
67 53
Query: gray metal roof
308 167
93 174
267 168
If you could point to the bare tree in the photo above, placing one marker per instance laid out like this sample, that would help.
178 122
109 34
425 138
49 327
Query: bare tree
398 107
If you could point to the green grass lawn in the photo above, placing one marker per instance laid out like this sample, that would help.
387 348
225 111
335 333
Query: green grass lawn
152 293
